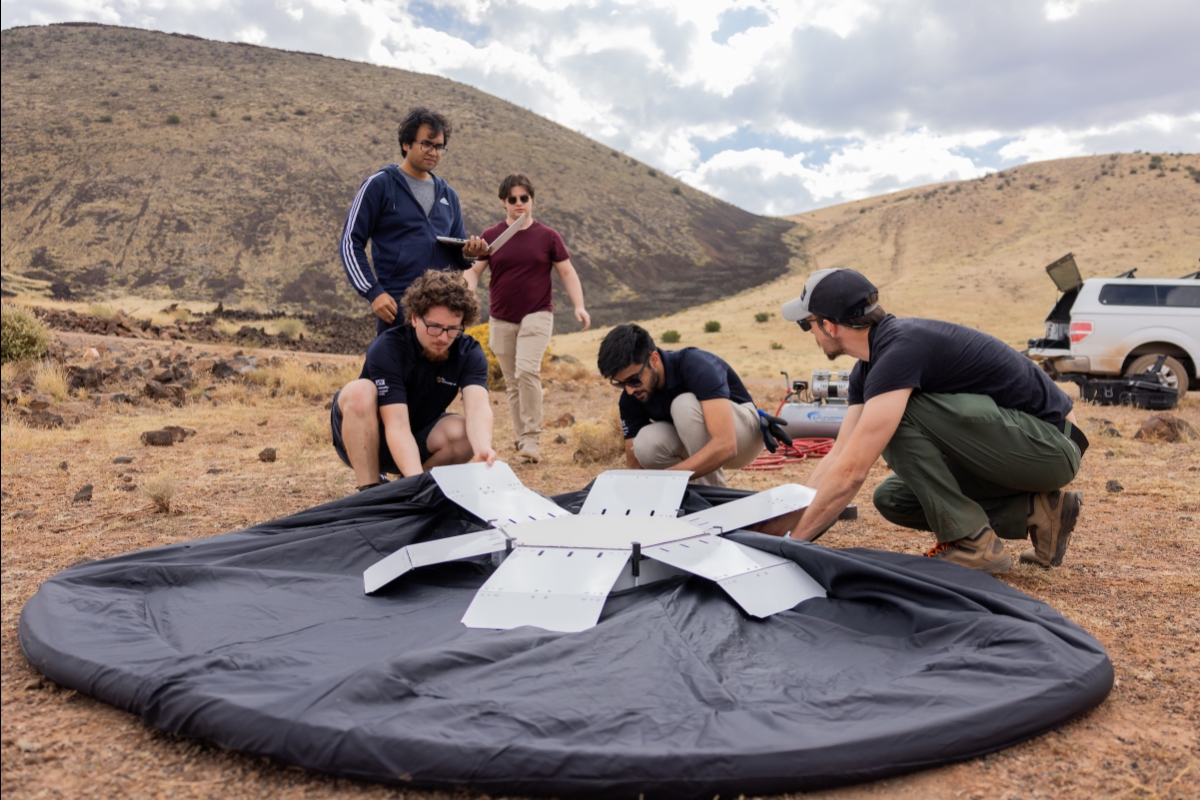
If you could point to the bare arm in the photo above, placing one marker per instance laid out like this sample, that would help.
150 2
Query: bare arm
400 440
841 479
570 279
478 412
849 423
474 274
722 443
631 461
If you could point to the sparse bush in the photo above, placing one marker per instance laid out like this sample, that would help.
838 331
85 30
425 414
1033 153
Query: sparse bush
670 337
776 346
51 377
299 112
154 87
160 490
246 117
102 311
212 112
315 432
172 119
22 334
290 327
105 118
652 173
676 190
712 326
762 316
482 333
598 442
298 378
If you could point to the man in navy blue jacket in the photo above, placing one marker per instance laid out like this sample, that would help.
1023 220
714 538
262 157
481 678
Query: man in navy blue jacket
402 210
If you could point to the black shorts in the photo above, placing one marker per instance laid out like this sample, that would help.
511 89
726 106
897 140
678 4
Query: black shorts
386 462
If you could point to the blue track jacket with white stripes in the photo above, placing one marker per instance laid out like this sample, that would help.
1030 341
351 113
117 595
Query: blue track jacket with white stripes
403 240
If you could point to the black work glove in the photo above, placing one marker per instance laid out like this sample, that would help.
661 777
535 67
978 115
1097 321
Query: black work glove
772 431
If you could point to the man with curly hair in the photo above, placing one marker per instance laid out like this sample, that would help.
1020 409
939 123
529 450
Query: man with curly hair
393 418
402 210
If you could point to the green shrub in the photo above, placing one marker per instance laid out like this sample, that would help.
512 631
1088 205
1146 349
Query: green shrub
246 117
22 334
776 346
212 112
676 190
172 119
712 326
106 118
652 173
154 87
762 316
670 337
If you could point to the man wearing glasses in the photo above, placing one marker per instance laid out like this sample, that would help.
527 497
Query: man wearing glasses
402 210
393 418
980 441
522 311
680 409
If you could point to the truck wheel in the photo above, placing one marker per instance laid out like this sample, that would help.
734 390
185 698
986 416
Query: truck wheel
1172 373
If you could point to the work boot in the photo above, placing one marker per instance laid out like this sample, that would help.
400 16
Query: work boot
527 452
1052 517
984 551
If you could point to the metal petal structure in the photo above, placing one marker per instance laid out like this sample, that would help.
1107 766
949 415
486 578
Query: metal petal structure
559 568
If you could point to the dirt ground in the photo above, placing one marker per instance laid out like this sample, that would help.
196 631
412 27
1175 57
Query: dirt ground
1131 578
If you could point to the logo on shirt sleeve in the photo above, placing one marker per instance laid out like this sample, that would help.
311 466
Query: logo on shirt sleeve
381 386
445 202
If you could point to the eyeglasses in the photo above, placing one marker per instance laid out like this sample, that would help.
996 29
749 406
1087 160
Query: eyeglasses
430 147
514 199
437 330
634 381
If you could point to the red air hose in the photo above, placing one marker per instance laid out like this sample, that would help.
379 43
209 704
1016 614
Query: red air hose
799 450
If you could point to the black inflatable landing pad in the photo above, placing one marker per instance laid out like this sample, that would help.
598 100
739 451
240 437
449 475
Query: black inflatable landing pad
263 641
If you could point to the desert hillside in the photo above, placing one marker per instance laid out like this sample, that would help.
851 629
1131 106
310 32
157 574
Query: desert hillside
151 164
971 252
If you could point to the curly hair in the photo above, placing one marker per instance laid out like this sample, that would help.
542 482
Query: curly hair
438 288
412 122
512 182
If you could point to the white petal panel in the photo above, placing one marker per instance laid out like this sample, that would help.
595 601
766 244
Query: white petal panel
772 589
765 505
494 493
557 589
615 533
636 492
424 554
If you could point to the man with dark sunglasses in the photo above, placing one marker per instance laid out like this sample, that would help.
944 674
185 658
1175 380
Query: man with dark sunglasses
981 442
393 418
680 409
401 210
522 310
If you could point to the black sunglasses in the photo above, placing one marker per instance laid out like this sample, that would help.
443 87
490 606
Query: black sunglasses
806 325
514 199
635 380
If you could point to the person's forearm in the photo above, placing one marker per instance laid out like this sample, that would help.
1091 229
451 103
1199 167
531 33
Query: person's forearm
574 288
836 491
404 450
479 428
631 461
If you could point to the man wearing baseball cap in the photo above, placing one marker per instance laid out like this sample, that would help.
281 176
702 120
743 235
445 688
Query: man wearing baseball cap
981 441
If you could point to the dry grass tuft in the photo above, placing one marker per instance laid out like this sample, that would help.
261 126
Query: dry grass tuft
295 378
160 490
315 432
51 377
598 442
102 311
289 327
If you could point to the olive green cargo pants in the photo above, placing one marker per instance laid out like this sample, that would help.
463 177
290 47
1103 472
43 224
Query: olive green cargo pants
962 462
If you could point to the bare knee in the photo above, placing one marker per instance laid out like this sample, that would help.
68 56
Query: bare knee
359 399
448 442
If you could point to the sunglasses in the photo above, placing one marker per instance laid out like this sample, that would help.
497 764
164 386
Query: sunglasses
633 381
514 199
806 325
438 330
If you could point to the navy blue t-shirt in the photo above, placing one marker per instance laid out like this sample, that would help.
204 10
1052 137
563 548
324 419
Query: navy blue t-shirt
940 357
687 370
401 373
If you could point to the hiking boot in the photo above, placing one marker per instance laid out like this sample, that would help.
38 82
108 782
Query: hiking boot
527 452
984 551
1051 519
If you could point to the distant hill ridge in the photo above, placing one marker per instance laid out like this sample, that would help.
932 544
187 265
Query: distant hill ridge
161 164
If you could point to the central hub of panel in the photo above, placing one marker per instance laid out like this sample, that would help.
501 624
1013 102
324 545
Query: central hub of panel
599 532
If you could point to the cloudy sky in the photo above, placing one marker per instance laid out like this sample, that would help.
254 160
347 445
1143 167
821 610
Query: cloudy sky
778 107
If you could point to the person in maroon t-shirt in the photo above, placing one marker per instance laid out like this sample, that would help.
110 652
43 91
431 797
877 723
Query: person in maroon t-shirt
522 312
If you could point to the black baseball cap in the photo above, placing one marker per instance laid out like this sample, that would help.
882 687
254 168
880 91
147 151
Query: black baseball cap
834 294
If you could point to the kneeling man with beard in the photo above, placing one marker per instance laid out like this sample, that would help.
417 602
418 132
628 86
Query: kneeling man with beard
393 417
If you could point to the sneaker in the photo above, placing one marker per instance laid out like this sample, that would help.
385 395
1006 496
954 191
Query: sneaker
984 551
1051 520
527 452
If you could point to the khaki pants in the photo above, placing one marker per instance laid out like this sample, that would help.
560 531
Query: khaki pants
664 444
519 349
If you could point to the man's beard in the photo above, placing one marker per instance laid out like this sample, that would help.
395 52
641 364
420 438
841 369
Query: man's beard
434 355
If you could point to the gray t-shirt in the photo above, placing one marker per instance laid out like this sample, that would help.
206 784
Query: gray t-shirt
423 190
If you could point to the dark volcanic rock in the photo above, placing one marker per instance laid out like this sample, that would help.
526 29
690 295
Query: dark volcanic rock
83 495
1114 487
267 454
1166 428
158 438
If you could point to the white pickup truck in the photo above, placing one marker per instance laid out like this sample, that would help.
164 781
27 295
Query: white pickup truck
1108 327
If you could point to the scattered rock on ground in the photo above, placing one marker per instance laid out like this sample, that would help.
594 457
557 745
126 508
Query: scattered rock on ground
560 439
41 401
158 438
1114 487
45 419
123 460
1167 428
84 494
179 433
213 471
267 454
565 421
1109 453
64 466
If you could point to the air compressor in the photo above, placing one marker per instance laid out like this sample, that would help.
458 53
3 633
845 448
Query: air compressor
815 409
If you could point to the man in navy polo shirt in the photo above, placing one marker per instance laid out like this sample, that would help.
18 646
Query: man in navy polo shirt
393 417
680 410
981 442
401 210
